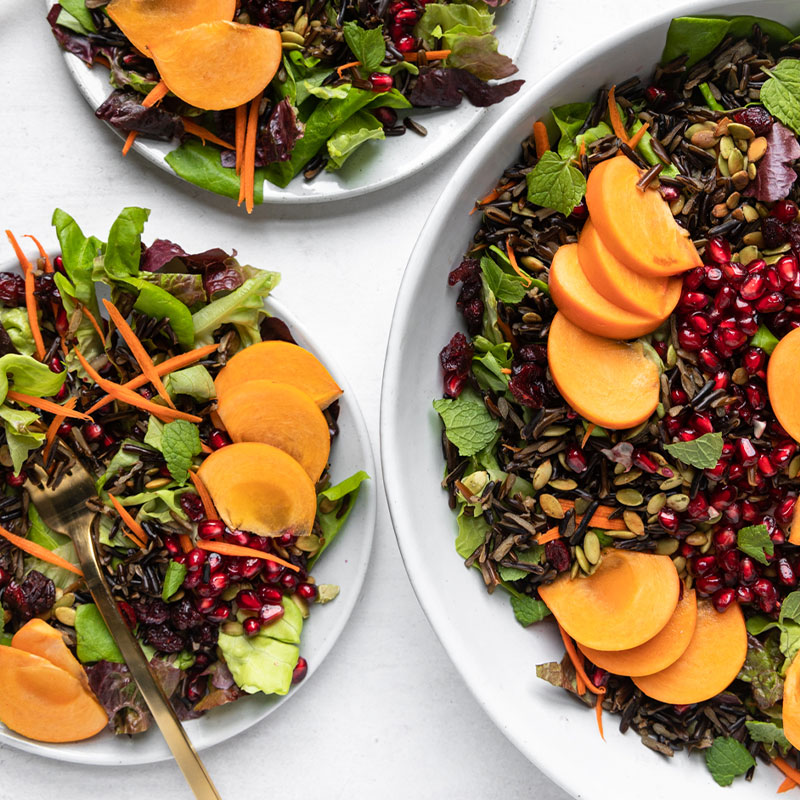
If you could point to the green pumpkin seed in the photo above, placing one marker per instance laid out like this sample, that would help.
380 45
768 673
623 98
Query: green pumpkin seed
697 539
580 557
757 149
735 161
722 164
672 356
620 534
550 506
739 131
634 522
668 546
752 171
289 46
65 615
309 543
794 467
581 504
678 502
564 484
748 254
740 179
656 503
629 497
680 563
65 601
726 146
591 547
627 477
292 36
233 628
574 570
670 483
542 475
697 127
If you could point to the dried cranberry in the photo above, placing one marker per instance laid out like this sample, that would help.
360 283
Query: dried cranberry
35 595
164 638
774 232
45 289
755 117
527 387
12 289
152 612
184 615
456 356
557 553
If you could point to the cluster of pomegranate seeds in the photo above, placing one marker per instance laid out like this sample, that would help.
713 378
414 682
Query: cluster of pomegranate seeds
402 16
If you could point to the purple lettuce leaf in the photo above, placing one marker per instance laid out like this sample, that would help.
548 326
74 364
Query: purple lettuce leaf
125 111
277 138
181 285
496 3
478 55
72 42
775 176
273 328
159 254
621 453
445 87
114 688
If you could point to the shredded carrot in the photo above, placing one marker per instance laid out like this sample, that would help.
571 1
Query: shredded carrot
507 332
95 324
787 785
52 428
241 124
139 353
134 539
225 549
492 196
48 264
205 448
164 368
638 136
208 503
155 95
582 151
348 65
132 398
36 550
505 371
789 772
589 428
513 259
46 405
133 526
613 115
190 126
548 536
186 542
540 138
249 168
30 298
582 677
600 518
429 55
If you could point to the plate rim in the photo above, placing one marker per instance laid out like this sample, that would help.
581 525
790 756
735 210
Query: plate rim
367 496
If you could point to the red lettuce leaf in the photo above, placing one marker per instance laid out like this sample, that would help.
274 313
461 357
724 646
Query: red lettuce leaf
445 87
478 55
277 138
159 254
775 176
124 110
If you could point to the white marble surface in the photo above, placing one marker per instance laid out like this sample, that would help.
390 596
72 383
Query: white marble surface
387 713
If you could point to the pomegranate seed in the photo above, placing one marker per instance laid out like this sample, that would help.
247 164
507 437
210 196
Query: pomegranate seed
58 262
710 360
763 588
728 561
287 539
108 440
677 397
5 577
127 613
722 599
693 300
289 581
787 268
192 506
270 613
668 519
775 280
219 582
689 339
733 513
407 16
62 323
196 688
218 439
786 573
381 82
731 334
701 323
195 559
210 528
172 546
749 511
785 510
307 591
406 44
756 266
793 288
92 432
251 567
718 250
714 277
721 380
273 572
237 537
643 462
251 626
754 359
687 435
214 561
702 565
248 599
785 211
725 537
744 594
734 273
694 279
769 303
708 584
753 287
205 603
575 459
64 429
722 497
698 507
718 472
756 396
747 570
55 364
766 467
300 671
16 480
580 212
736 473
746 453
702 423
669 193
267 594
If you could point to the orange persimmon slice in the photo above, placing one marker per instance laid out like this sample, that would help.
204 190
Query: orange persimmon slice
637 226
610 383
709 664
665 648
791 702
220 64
624 603
783 373
41 639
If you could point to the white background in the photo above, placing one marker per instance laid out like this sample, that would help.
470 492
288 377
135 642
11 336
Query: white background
387 714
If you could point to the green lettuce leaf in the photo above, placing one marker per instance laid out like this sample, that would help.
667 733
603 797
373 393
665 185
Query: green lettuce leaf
259 663
348 137
194 381
478 55
440 21
18 327
124 248
28 376
173 580
95 643
77 8
159 303
471 533
19 438
367 45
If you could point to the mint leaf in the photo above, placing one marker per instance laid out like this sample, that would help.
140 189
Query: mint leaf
468 424
769 733
781 93
527 610
703 452
471 534
180 442
506 288
765 339
368 46
754 541
727 759
555 183
173 579
511 573
790 608
95 643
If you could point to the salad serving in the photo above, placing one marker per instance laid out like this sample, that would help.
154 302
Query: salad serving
266 89
620 427
209 430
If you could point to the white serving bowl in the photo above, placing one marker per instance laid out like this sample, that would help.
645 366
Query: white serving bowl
493 653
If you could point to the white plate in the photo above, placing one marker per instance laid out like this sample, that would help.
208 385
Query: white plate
494 654
344 563
376 164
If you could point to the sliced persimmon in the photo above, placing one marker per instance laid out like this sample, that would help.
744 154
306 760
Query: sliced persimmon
791 702
783 374
257 487
43 640
217 65
627 600
148 22
280 415
639 294
709 664
581 303
44 702
637 226
282 362
665 648
610 383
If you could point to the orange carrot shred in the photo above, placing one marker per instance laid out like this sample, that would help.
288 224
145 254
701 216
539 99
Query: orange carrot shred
132 398
582 151
225 549
36 550
46 405
30 298
616 121
208 503
52 428
589 428
580 672
164 368
507 332
190 126
249 168
639 135
205 448
95 324
133 526
600 518
429 55
185 542
241 124
505 371
787 785
139 353
548 536
540 138
155 95
789 772
513 259
348 65
492 196
139 542
48 264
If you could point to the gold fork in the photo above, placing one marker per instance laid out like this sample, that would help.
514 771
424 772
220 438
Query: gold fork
65 510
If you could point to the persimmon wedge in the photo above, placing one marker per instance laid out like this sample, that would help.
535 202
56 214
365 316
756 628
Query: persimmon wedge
637 226
623 604
610 383
581 303
709 664
217 65
43 640
791 702
44 702
148 22
783 374
619 284
282 362
257 487
280 415
665 648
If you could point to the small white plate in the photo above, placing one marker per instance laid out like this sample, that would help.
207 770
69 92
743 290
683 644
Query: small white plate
496 656
376 164
344 563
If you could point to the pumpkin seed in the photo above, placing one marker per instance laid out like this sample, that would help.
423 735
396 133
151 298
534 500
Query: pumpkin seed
707 546
750 214
551 506
233 628
697 539
580 557
678 502
752 171
620 534
670 483
533 263
741 179
591 547
735 161
555 430
704 139
290 46
672 356
688 581
634 522
231 592
574 570
739 131
748 254
581 504
740 376
680 563
292 36
542 475
309 543
629 497
628 477
733 200
676 206
697 127
794 467
722 164
66 600
326 506
157 483
564 484
301 24
327 592
65 615
726 146
755 238
656 503
301 603
668 546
